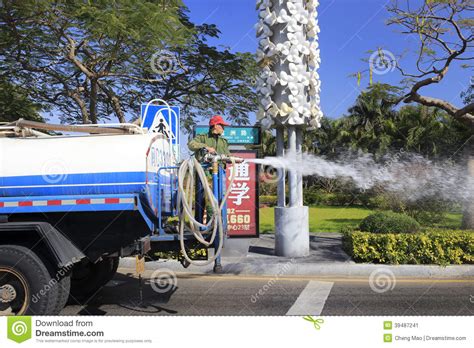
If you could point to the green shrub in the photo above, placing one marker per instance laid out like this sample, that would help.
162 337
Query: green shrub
428 211
323 198
389 223
269 201
381 201
267 188
311 198
441 247
348 228
335 199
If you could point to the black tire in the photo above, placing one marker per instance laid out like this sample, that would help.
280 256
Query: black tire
62 285
88 278
63 294
114 263
22 270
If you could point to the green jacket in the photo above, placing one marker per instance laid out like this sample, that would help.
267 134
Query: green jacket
209 140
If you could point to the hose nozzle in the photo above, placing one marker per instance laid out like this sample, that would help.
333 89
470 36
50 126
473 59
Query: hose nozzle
235 159
210 158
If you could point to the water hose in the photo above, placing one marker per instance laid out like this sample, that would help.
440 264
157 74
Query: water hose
186 173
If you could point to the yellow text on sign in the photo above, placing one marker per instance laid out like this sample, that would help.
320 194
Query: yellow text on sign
239 219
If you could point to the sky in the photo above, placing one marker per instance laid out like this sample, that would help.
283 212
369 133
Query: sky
349 29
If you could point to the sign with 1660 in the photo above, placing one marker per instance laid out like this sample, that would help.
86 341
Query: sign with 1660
242 203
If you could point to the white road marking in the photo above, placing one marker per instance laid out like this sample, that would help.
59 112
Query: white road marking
312 299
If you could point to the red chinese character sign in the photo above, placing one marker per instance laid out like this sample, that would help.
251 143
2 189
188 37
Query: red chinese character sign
242 203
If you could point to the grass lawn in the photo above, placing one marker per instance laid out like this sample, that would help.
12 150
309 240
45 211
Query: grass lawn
321 218
331 219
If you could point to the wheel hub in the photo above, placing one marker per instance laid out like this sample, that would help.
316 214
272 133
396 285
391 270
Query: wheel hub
7 293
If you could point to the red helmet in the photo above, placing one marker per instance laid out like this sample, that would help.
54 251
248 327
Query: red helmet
217 120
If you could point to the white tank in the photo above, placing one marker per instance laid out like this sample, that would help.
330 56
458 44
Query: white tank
79 165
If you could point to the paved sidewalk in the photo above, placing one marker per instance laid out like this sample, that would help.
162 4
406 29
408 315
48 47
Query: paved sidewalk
324 248
326 259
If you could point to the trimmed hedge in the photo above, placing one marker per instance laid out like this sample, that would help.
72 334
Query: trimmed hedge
440 247
389 223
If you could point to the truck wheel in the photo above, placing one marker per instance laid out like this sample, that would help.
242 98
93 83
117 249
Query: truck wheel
62 286
63 293
24 283
113 268
87 277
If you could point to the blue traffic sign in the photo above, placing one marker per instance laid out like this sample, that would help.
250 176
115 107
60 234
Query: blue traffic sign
160 119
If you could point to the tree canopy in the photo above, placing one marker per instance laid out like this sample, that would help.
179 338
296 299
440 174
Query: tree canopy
93 60
445 38
15 104
373 125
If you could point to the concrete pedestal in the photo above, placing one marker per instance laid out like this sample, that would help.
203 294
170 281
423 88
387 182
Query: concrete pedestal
292 231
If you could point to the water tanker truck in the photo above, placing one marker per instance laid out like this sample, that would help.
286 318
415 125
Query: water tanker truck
72 205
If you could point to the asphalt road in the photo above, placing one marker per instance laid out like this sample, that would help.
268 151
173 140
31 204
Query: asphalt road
189 294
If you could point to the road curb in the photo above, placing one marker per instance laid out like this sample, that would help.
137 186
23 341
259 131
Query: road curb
260 266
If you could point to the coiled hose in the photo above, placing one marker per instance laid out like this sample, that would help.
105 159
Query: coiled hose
186 174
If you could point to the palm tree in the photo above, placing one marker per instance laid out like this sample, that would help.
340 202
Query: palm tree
430 132
268 146
332 138
372 120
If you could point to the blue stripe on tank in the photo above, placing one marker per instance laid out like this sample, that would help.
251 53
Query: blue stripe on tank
84 183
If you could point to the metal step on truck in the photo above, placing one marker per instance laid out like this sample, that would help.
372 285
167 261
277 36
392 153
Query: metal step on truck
73 204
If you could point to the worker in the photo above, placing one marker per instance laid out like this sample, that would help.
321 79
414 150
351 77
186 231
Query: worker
213 141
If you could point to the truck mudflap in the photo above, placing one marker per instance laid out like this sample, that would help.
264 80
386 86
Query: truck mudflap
62 249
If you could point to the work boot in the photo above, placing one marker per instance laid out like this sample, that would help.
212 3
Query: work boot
218 268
